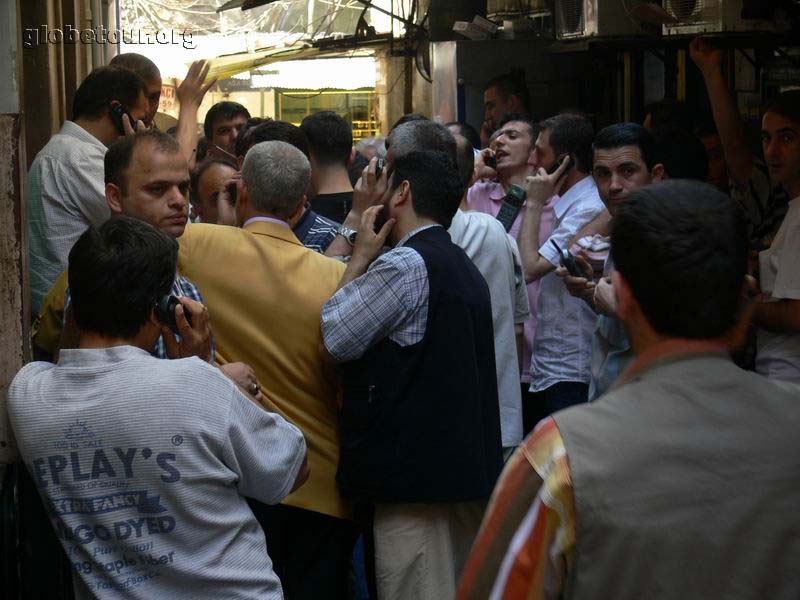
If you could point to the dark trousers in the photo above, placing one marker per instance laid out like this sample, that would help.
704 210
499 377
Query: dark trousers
310 552
539 405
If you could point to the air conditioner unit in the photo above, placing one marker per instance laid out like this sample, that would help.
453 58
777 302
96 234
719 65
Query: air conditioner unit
711 16
581 19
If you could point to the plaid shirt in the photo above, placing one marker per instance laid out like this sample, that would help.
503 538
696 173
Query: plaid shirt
315 231
389 300
180 287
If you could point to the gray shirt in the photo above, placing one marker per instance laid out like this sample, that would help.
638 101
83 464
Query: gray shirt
143 465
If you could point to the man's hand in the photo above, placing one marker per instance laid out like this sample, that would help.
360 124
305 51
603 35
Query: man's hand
244 376
369 244
482 171
580 287
132 128
605 300
191 91
705 56
542 186
369 188
195 338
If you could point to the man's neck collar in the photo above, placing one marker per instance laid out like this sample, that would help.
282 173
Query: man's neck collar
399 233
98 128
668 350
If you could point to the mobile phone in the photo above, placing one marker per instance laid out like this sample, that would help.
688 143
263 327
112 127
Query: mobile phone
568 261
379 167
491 161
232 189
165 312
555 166
116 113
512 204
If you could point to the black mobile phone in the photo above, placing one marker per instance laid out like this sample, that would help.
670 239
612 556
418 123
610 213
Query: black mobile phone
568 261
116 116
165 312
379 167
512 204
554 167
232 189
491 161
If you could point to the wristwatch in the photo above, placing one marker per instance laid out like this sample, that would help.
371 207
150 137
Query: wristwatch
348 234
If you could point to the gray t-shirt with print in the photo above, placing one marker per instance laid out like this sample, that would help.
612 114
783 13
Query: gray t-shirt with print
143 465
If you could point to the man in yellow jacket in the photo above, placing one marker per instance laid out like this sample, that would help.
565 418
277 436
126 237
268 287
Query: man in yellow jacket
264 291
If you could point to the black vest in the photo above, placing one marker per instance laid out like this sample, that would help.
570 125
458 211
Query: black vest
421 423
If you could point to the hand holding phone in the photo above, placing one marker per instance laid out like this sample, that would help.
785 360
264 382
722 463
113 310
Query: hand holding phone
568 261
191 335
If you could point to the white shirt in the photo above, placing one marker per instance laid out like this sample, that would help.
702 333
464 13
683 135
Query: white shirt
562 348
778 354
496 256
64 195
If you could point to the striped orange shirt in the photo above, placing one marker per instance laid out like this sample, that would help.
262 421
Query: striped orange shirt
525 544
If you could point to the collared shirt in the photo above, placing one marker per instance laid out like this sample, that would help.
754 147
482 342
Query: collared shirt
180 287
487 197
495 253
763 204
389 300
315 231
64 195
562 349
611 349
778 355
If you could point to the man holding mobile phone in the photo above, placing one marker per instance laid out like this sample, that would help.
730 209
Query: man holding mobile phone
560 370
64 188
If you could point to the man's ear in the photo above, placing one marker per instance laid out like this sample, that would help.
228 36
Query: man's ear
627 306
114 198
658 173
293 218
352 156
403 194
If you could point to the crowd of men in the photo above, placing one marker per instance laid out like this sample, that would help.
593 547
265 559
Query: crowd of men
251 359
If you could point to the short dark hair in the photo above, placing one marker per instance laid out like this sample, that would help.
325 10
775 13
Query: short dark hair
329 137
120 154
465 158
138 63
408 118
571 134
511 84
669 111
785 104
222 110
117 273
275 131
467 131
436 187
533 126
103 86
682 154
201 168
421 135
675 236
241 145
628 134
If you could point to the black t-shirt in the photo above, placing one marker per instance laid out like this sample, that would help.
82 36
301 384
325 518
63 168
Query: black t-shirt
333 206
